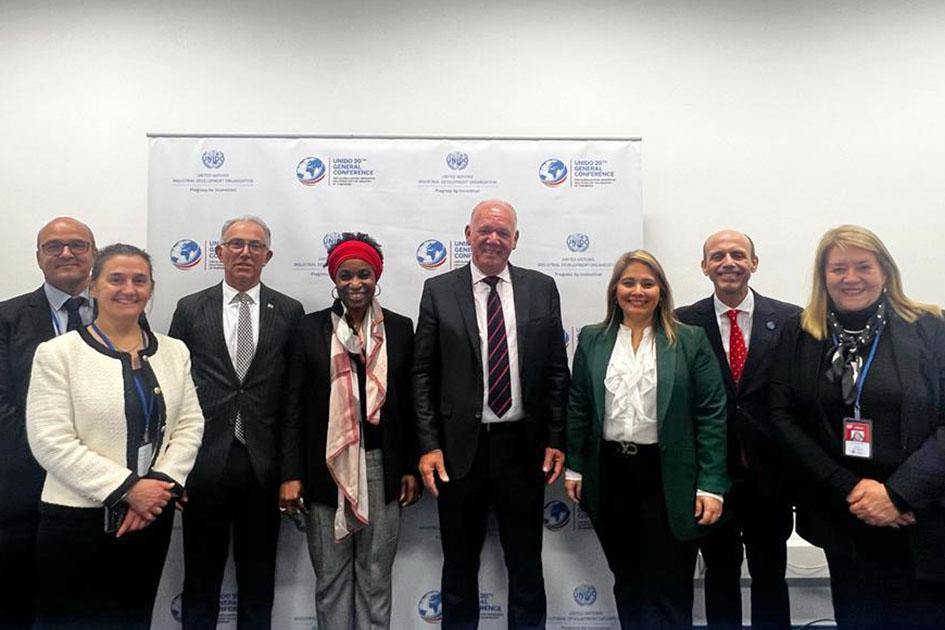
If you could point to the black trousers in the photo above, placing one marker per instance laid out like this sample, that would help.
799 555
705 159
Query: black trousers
505 477
17 562
653 572
90 580
762 523
876 588
242 505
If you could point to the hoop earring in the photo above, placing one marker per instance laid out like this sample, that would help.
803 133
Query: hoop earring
377 290
334 293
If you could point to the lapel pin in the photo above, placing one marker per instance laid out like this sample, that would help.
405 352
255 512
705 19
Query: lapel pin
770 325
269 305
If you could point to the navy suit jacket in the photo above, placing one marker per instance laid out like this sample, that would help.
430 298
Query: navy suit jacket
25 322
749 426
447 377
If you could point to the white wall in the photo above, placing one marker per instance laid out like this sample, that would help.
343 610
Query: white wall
781 119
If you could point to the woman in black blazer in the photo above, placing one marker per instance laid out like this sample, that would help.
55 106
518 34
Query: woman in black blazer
857 396
348 456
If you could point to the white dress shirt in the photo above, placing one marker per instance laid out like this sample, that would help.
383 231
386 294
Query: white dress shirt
746 310
57 307
630 390
507 297
231 316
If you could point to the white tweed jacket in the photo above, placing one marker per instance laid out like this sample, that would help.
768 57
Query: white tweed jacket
76 421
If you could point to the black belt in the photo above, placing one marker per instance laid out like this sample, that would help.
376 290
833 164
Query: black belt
629 449
494 428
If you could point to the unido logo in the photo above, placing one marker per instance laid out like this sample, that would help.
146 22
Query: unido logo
310 171
553 172
431 254
186 254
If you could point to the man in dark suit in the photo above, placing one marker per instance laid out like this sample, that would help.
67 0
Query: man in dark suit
64 251
490 387
743 328
237 333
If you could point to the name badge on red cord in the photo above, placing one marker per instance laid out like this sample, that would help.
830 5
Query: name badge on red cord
858 438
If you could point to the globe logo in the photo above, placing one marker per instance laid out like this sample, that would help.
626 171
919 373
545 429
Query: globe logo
556 514
457 160
310 171
330 239
431 254
552 172
578 242
175 608
585 595
186 254
213 158
430 607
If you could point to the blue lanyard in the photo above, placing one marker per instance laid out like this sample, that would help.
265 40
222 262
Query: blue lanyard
147 402
860 382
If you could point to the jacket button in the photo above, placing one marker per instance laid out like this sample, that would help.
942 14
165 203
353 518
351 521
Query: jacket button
478 415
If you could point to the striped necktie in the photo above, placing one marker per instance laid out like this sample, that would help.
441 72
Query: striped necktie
500 384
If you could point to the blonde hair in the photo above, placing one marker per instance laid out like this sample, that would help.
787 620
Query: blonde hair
814 317
663 316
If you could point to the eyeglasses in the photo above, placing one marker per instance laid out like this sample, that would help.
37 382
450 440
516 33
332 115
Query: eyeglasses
236 245
54 248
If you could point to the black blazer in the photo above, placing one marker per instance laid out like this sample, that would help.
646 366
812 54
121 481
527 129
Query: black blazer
305 426
815 441
447 378
198 322
25 322
749 425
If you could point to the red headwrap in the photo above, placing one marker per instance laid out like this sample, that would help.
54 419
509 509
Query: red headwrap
354 249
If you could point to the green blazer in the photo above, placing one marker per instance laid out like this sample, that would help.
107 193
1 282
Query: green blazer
691 420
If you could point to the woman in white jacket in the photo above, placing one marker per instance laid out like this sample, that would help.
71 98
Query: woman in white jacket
113 417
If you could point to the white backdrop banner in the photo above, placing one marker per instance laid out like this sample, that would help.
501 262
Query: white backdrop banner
579 208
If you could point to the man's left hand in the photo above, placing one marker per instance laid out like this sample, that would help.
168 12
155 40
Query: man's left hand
553 464
409 490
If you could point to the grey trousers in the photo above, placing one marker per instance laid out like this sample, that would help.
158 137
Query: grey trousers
353 576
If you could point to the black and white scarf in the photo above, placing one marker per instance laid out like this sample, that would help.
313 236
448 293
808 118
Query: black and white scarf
852 347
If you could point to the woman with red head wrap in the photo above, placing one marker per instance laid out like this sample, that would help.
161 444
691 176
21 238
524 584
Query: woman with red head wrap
348 457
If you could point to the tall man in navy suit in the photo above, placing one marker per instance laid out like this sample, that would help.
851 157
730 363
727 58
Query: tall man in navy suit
490 388
64 251
237 333
743 327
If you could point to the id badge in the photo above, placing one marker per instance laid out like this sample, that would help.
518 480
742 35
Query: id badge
145 452
858 438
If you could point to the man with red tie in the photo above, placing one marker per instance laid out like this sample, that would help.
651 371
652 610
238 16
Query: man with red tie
490 388
743 327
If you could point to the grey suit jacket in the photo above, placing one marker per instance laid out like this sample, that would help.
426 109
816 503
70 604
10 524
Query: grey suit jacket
198 322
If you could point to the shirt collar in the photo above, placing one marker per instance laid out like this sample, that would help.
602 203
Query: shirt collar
477 275
57 297
229 293
745 306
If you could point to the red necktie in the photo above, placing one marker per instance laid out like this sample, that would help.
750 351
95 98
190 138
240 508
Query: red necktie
500 385
737 353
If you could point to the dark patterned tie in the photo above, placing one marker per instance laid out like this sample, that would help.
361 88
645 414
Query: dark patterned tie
72 306
737 353
245 348
500 383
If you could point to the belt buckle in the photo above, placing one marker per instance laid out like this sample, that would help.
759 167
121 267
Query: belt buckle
627 448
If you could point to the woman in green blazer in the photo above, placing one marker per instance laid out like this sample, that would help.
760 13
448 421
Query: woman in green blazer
646 443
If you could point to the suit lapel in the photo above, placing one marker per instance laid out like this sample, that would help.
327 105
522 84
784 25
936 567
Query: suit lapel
463 290
597 366
213 318
908 360
267 316
763 333
41 316
522 293
709 322
665 376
